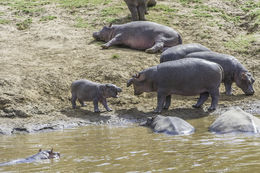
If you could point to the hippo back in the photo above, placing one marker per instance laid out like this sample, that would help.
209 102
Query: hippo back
180 51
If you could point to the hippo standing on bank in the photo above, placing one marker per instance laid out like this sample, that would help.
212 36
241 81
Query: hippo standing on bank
41 155
186 77
234 71
180 51
138 8
85 90
141 35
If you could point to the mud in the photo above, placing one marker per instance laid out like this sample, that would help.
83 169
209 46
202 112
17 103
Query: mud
38 65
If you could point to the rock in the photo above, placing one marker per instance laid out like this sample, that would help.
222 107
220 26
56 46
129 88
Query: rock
236 120
170 125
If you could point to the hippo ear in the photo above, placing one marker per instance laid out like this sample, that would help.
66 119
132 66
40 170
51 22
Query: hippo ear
51 150
40 150
243 75
110 25
129 82
140 77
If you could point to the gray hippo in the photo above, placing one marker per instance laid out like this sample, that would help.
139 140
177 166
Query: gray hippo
180 51
169 125
141 35
234 71
186 77
138 8
85 90
41 155
236 120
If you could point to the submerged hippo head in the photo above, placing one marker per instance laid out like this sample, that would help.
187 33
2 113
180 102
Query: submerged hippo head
110 90
142 83
245 81
47 154
104 34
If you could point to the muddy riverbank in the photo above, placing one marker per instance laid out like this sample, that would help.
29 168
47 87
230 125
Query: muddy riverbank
46 45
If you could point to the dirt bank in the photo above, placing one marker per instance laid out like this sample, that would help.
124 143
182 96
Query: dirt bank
46 45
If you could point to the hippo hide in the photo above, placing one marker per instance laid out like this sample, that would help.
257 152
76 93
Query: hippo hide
170 125
236 120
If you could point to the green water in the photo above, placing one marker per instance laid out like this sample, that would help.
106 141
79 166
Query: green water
135 149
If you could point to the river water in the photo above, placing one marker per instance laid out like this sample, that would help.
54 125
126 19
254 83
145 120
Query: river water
135 149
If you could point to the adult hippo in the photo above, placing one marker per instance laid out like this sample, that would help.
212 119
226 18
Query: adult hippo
180 51
234 71
138 8
141 35
236 120
169 125
186 77
41 155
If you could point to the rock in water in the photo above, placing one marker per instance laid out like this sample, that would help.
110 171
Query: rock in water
236 120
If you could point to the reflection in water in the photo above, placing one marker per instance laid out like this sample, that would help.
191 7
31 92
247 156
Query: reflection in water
135 149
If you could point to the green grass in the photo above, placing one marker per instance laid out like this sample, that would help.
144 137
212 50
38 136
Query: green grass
24 24
81 3
81 23
241 43
164 8
115 56
47 18
185 2
4 21
199 13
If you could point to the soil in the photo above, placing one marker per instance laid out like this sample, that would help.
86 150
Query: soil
38 64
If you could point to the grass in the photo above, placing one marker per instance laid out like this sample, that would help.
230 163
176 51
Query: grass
47 18
81 23
115 56
241 43
24 24
4 21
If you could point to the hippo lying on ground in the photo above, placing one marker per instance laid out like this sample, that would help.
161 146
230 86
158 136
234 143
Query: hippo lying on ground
180 51
141 35
41 155
85 90
169 125
138 8
186 77
236 120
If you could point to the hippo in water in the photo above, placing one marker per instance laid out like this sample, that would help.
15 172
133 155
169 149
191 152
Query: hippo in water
180 51
234 71
85 90
141 35
41 155
186 77
138 8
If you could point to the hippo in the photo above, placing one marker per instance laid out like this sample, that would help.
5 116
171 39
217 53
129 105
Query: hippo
140 35
180 51
138 8
169 125
85 90
41 155
235 120
186 77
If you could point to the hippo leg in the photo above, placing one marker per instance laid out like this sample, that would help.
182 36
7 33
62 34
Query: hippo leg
167 102
157 46
214 102
228 88
134 12
160 101
104 102
115 41
202 99
82 103
141 11
73 101
95 102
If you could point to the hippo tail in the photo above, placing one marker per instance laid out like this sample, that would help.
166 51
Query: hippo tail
222 72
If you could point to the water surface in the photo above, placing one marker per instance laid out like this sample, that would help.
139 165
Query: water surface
135 149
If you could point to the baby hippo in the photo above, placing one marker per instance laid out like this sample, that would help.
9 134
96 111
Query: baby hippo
85 90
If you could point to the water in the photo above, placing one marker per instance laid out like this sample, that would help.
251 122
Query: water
135 149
